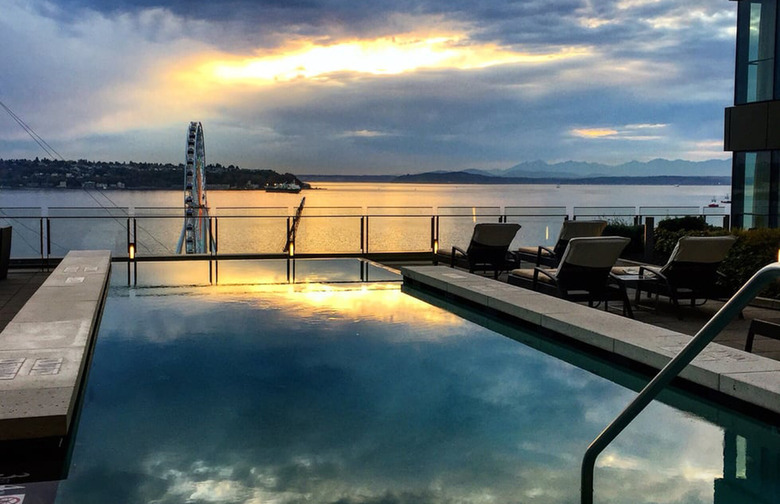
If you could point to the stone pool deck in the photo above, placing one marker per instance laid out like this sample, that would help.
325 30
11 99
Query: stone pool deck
748 377
46 347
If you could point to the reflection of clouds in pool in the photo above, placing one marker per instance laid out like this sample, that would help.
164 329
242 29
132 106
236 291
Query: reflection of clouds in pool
206 313
255 403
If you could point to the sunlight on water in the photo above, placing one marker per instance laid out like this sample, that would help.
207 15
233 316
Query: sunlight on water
399 216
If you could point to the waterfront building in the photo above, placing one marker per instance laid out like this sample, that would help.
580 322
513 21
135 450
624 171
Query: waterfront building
752 125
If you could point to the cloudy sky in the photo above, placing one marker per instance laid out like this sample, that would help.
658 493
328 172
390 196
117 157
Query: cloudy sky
340 86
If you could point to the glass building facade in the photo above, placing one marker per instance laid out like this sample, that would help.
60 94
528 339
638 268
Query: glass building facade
752 127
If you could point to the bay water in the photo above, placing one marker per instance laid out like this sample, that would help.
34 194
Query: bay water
254 221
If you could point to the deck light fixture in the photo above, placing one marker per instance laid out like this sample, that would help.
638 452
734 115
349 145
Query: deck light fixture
435 245
131 251
291 249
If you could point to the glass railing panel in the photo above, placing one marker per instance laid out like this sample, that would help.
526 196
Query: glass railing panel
668 212
326 211
536 230
399 233
541 211
26 231
717 216
624 214
334 234
540 225
97 212
157 235
457 230
251 235
158 211
87 233
718 210
473 211
396 211
252 211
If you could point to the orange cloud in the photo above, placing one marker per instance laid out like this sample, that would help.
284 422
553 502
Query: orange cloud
594 132
382 56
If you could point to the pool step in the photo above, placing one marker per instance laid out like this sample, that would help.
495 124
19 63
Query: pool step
46 348
741 375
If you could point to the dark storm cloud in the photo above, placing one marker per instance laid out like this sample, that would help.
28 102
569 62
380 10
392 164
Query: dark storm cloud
116 79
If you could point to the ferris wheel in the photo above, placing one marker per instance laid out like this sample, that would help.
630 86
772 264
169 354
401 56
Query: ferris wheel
194 238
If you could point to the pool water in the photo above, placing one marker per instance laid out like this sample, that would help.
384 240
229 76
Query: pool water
361 393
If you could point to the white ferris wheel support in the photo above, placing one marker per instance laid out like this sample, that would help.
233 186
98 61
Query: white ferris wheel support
194 238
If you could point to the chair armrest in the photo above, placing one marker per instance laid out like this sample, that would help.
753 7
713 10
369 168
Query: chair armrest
544 272
654 271
539 254
454 251
459 250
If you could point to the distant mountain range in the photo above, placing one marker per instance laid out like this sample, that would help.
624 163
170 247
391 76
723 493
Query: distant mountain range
579 169
657 171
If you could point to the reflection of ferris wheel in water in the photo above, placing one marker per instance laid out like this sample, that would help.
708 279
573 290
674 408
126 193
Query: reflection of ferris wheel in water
194 237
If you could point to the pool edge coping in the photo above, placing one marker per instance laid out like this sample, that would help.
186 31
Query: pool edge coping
737 374
47 348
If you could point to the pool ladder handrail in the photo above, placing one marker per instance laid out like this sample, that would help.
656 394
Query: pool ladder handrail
706 334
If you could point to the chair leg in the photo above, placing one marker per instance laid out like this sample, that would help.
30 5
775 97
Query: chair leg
626 304
676 304
749 341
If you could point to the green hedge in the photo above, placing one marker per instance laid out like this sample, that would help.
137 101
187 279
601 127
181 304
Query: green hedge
635 249
754 249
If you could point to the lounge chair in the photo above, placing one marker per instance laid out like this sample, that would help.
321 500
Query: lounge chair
541 255
487 249
583 273
690 273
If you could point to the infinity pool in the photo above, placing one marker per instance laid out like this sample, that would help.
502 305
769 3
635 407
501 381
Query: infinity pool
361 393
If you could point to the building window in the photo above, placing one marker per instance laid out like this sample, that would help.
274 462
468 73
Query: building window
755 189
756 48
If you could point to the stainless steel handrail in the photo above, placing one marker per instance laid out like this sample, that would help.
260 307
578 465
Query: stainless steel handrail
702 338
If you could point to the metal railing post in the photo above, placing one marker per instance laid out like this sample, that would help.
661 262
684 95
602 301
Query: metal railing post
702 338
216 249
40 222
48 240
649 238
362 234
129 254
135 239
366 250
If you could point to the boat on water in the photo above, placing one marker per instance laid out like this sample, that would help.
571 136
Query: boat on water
286 187
713 204
726 199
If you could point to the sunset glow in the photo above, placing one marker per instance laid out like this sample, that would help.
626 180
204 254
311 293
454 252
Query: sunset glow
360 88
594 132
384 56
